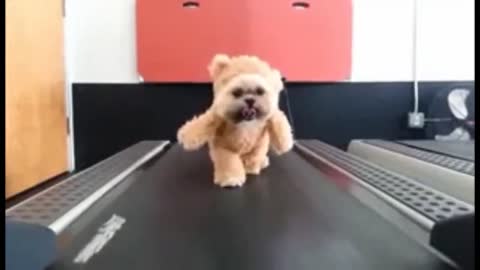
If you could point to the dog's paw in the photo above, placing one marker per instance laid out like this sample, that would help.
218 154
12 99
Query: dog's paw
254 170
236 181
189 142
265 163
283 147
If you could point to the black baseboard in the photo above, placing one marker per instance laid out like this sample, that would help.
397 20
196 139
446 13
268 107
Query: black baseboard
110 117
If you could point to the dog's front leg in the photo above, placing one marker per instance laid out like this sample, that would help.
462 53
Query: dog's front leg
281 136
198 131
228 167
257 159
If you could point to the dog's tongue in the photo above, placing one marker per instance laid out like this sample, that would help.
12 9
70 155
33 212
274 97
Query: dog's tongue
248 113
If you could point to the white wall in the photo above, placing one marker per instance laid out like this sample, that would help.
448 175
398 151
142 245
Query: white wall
99 47
101 40
446 38
382 40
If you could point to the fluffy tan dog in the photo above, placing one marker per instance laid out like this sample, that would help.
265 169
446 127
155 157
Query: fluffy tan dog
244 120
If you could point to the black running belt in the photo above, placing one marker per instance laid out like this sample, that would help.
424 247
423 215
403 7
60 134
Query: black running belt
291 217
458 149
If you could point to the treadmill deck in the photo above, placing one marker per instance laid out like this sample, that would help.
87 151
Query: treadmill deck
292 216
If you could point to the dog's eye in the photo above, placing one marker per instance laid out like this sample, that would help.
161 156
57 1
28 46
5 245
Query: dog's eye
237 92
259 91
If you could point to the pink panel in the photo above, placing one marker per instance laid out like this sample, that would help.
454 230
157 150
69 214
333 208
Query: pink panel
175 43
307 40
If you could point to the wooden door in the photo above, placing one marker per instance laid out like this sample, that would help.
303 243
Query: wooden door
36 128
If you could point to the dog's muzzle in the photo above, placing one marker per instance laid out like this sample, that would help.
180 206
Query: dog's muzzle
248 113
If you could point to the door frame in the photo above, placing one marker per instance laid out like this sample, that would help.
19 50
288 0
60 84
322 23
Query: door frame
67 58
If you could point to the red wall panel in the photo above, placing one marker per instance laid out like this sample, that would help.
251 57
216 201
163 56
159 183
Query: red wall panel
176 43
310 44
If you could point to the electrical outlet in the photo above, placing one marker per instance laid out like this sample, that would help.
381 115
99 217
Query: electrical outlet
416 120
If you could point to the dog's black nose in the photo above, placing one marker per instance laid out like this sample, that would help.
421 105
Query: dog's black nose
249 101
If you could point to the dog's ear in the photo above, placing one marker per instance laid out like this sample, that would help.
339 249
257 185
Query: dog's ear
218 64
277 80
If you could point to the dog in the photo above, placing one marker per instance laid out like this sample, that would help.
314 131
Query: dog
244 120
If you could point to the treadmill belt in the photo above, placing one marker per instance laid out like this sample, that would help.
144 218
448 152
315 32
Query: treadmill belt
290 217
459 149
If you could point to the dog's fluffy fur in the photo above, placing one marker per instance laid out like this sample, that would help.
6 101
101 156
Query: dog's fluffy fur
239 135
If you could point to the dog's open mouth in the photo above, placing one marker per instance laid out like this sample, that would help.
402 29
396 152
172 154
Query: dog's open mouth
246 114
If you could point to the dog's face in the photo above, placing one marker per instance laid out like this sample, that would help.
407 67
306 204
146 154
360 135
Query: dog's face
245 88
245 97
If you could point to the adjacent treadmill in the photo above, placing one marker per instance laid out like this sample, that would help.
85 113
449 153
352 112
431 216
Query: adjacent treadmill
448 166
154 206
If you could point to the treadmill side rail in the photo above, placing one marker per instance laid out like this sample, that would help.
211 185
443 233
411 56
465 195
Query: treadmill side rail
452 176
427 201
59 205
451 231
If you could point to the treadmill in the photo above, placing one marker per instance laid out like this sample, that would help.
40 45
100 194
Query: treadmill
449 166
154 206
